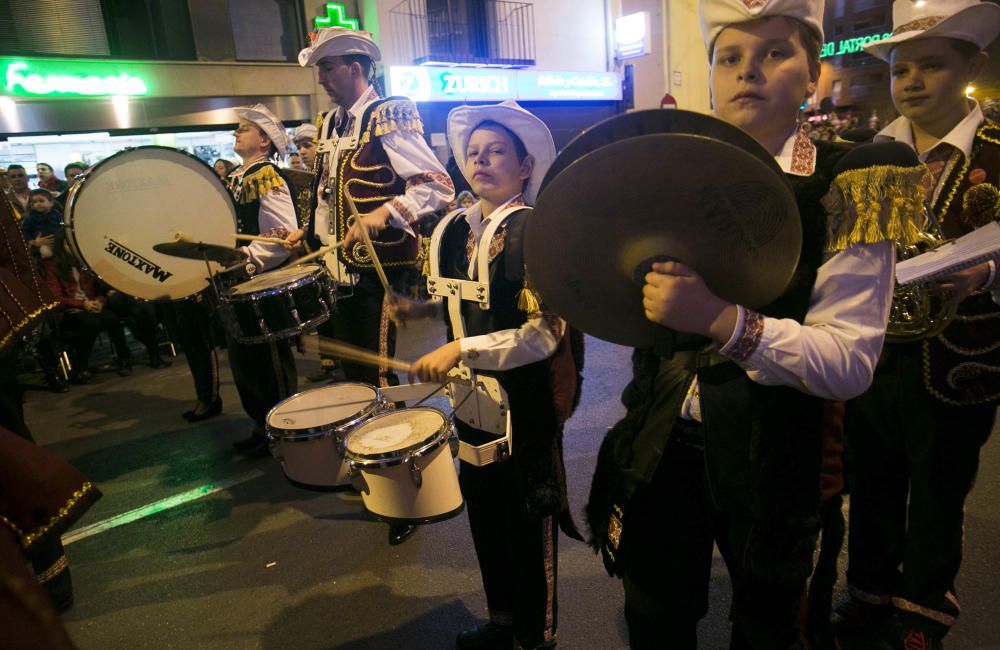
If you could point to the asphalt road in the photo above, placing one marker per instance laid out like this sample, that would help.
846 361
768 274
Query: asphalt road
255 562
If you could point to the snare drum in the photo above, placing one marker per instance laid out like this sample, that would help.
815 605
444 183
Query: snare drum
139 197
278 304
307 430
405 461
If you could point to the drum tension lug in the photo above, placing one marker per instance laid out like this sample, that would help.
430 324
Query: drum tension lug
414 470
503 452
356 478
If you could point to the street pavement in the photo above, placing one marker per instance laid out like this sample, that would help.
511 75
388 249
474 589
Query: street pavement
252 561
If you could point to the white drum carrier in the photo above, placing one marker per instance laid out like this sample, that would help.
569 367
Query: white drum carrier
404 461
307 432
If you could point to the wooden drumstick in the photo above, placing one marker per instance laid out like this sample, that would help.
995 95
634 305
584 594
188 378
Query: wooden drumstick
390 296
184 237
355 354
319 253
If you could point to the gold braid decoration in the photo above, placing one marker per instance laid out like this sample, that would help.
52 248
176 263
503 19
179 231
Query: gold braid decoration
28 319
259 183
28 540
928 384
393 115
873 204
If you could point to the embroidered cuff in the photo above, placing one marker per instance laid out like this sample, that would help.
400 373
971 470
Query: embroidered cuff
746 337
401 216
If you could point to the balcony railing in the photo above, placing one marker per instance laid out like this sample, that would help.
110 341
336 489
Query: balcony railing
467 32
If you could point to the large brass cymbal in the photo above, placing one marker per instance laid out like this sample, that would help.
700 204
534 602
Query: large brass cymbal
711 205
201 251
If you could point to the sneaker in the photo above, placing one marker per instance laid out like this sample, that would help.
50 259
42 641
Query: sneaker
488 636
852 615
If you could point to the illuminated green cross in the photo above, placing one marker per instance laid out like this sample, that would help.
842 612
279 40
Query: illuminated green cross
335 17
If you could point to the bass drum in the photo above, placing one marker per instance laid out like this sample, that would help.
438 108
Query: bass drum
139 197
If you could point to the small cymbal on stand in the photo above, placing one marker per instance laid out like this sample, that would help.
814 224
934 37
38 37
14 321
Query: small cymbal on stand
201 251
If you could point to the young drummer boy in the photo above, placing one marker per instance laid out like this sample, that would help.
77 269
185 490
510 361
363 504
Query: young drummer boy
915 436
513 505
730 435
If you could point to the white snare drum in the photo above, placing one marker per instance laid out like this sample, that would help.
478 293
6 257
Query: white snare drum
307 431
139 197
406 462
278 304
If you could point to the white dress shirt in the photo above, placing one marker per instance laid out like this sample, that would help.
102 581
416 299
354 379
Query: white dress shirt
276 214
533 341
833 352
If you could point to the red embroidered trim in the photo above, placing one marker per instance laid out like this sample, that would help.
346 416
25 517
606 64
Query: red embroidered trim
926 612
430 177
404 211
918 25
754 4
753 329
803 155
277 233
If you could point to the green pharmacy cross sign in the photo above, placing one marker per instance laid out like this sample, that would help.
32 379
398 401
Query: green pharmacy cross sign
74 78
336 16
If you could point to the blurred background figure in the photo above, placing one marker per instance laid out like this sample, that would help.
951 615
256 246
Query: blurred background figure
17 177
465 199
305 142
72 171
295 162
47 179
222 167
42 222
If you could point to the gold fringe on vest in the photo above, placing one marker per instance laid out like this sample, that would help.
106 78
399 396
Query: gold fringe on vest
873 204
396 115
528 300
259 183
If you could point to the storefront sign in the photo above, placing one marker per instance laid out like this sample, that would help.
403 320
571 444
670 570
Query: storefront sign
428 84
53 78
632 35
851 45
336 16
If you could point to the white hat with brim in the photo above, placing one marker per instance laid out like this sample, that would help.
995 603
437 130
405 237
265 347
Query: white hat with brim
268 123
964 20
339 41
537 138
716 15
305 132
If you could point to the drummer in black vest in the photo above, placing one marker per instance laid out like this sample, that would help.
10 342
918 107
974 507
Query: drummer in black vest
374 148
721 443
263 207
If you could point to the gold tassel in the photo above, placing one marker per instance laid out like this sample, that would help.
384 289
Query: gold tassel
259 183
528 300
873 204
395 115
427 257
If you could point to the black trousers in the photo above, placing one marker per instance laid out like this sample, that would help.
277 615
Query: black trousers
913 462
669 529
139 315
191 324
517 554
362 320
260 382
81 328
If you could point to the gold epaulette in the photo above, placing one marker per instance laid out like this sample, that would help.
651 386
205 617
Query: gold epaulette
258 183
395 115
873 204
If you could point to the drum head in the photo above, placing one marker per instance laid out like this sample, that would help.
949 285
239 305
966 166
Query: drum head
272 279
141 197
395 433
319 407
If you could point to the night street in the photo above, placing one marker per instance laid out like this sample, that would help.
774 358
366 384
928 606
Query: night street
251 561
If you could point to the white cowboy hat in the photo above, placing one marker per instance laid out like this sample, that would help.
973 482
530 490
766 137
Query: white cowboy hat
964 20
305 131
339 41
536 137
716 15
268 122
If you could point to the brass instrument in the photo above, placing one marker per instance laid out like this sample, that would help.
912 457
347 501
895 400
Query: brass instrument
919 311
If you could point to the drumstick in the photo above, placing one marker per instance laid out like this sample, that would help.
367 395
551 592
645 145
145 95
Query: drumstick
353 353
319 253
390 296
266 240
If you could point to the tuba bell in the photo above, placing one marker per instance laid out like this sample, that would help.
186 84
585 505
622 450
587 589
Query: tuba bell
919 311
